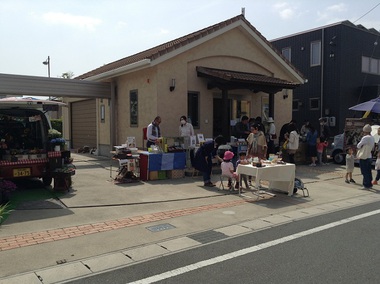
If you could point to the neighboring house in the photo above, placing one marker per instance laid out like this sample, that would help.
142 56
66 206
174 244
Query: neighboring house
213 76
341 63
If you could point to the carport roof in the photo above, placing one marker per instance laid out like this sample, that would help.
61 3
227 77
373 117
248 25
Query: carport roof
228 79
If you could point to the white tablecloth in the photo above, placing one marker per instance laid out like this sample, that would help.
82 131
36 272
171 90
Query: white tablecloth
280 177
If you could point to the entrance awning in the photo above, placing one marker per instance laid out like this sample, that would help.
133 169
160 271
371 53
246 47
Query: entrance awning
232 80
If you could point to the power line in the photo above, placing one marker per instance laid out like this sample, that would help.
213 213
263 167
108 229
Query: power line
367 12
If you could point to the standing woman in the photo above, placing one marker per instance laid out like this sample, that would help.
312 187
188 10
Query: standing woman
311 140
257 143
293 139
186 128
364 154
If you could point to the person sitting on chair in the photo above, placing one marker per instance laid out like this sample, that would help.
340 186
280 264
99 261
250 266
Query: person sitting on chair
228 168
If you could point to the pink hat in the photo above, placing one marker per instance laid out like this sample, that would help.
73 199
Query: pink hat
228 155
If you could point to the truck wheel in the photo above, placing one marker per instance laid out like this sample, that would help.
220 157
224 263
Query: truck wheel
47 181
339 157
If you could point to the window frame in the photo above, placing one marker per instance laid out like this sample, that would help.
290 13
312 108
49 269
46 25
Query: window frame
299 104
289 49
313 51
102 113
193 112
310 103
133 109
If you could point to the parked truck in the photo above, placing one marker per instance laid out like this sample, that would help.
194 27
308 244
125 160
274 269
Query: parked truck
351 137
25 148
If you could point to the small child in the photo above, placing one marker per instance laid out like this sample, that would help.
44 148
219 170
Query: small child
377 168
243 161
228 168
350 164
320 147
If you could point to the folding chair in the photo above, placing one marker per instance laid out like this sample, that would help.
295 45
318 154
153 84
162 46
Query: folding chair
224 178
299 185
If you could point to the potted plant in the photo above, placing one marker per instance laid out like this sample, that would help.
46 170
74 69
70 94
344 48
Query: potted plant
6 189
4 210
56 140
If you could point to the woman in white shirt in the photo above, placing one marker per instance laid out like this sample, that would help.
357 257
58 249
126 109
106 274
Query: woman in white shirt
293 142
185 129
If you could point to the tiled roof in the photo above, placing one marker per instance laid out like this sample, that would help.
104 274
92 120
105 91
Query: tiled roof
156 52
244 77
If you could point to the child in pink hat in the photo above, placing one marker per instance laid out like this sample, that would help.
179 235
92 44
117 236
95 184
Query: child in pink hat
227 168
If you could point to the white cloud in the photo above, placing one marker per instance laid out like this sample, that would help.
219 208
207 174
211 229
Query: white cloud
287 13
83 22
333 13
284 10
341 7
164 32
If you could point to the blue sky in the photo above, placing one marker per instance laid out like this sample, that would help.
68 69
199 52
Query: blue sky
82 35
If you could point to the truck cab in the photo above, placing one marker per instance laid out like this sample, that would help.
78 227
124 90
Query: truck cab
24 141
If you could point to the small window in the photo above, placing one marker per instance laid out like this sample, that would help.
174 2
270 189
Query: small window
287 53
133 104
373 66
365 64
296 105
315 56
314 104
193 108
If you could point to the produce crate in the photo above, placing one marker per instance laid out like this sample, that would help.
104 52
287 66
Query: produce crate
153 175
174 174
161 174
62 181
22 157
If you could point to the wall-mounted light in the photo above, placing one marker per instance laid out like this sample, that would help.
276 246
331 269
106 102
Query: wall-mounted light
332 54
302 48
172 85
47 62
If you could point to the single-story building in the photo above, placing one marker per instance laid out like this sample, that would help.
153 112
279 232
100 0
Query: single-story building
213 76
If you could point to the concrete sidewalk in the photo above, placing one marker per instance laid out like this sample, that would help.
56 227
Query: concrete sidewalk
100 225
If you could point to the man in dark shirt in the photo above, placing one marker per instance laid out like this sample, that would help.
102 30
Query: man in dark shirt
241 128
284 130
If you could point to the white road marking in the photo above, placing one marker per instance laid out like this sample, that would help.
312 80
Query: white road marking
252 249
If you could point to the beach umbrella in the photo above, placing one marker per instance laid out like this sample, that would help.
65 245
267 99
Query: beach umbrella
371 105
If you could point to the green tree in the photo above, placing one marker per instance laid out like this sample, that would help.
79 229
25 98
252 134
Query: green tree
67 75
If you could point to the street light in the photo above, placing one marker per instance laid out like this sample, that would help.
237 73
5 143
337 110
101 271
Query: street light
47 62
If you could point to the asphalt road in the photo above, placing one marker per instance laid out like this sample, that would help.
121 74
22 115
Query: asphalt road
339 247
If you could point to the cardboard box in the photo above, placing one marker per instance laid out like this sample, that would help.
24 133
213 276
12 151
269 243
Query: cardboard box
22 157
153 175
174 174
36 156
7 157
